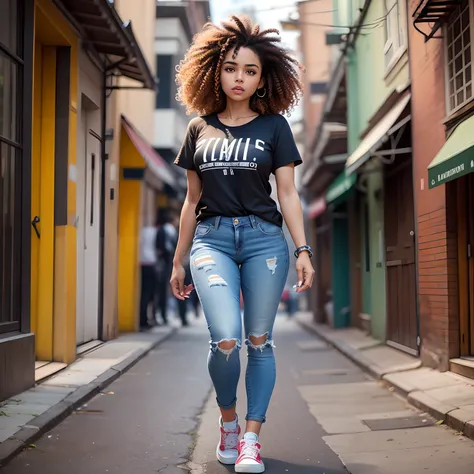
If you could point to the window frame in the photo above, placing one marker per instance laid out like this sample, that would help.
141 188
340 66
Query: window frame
452 111
402 30
20 145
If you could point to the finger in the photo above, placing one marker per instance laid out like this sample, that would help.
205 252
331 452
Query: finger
181 286
299 271
188 289
175 289
306 280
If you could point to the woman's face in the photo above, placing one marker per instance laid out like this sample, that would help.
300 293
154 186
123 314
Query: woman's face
242 76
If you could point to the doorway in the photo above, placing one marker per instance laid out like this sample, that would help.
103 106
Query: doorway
402 324
465 220
88 222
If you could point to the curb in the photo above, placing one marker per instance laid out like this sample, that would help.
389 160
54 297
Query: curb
31 432
454 417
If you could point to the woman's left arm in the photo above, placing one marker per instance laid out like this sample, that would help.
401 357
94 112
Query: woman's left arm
293 214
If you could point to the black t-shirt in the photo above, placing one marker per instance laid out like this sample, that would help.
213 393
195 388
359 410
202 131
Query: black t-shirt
234 164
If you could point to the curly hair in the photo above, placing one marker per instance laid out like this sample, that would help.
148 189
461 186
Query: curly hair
198 74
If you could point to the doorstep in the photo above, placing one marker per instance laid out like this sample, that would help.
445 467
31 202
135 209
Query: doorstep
28 415
447 396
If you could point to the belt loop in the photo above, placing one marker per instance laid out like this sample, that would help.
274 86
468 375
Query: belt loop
253 221
217 222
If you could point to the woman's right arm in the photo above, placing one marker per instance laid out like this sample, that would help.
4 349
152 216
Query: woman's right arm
187 226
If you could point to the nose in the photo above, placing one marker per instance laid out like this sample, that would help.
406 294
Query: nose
239 77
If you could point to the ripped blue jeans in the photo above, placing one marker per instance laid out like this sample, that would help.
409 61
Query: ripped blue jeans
229 255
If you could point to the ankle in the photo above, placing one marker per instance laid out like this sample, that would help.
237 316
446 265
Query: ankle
230 425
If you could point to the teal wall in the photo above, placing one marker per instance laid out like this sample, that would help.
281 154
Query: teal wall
365 265
341 289
377 278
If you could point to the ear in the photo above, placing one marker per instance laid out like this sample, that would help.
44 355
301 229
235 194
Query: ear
261 84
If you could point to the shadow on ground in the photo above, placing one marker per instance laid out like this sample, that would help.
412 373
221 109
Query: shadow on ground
276 466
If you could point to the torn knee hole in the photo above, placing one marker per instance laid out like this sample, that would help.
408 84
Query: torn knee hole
259 342
226 346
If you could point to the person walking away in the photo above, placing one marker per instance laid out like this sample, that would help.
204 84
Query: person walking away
239 80
165 243
148 274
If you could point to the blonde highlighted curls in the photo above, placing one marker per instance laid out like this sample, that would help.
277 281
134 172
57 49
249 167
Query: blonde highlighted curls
198 74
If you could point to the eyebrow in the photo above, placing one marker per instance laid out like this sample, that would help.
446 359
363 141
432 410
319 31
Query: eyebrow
235 64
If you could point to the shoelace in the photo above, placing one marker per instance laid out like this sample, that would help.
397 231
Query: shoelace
231 439
250 449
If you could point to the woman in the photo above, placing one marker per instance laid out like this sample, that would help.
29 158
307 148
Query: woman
239 80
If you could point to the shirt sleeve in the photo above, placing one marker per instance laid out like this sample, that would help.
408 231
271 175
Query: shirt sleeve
285 151
185 158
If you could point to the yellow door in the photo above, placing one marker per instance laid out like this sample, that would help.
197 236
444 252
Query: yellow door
42 205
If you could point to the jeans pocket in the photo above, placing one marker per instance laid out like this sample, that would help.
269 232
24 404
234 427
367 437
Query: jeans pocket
267 228
203 229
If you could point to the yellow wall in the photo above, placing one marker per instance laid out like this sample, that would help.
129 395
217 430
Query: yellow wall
129 232
53 304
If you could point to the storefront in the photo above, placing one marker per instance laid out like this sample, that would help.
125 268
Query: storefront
16 58
453 166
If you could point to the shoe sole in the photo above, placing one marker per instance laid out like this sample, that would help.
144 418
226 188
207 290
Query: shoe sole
226 461
251 468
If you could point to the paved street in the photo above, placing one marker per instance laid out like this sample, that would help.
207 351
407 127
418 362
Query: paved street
161 417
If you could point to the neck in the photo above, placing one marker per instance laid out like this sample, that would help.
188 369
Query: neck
237 109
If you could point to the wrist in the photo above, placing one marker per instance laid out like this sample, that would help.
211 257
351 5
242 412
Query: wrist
304 249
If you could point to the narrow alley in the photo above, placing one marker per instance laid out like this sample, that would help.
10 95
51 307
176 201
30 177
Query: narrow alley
160 416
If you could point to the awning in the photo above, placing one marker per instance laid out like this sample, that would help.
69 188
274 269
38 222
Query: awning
340 187
456 157
101 27
153 160
433 13
317 207
373 140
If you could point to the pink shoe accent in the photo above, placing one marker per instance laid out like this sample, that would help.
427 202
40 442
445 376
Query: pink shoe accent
228 447
249 459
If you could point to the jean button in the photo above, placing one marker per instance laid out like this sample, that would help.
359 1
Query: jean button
236 221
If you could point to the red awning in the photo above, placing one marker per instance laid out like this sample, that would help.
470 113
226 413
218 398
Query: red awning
317 207
154 161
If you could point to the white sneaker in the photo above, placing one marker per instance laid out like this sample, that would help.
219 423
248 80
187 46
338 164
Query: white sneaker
228 448
249 459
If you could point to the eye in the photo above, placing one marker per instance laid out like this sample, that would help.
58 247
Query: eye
229 69
252 72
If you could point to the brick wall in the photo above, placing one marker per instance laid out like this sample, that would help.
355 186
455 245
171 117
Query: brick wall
437 264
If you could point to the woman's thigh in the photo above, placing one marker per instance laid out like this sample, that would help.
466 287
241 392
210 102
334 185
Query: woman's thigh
216 278
264 275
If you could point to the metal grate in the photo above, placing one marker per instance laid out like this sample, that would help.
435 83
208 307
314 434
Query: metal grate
431 14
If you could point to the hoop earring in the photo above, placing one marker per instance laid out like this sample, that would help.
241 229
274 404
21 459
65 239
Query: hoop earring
263 95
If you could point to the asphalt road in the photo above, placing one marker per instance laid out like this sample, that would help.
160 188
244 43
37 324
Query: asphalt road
148 420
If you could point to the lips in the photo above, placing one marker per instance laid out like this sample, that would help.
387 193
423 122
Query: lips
238 89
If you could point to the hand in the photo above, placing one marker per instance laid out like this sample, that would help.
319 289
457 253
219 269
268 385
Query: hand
305 271
180 291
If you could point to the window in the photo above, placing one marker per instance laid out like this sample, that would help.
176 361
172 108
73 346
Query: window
11 74
395 32
459 57
165 72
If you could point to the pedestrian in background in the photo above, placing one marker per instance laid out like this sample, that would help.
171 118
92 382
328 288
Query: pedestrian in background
238 79
165 244
148 262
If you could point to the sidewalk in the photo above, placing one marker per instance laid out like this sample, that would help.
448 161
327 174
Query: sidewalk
446 396
28 415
